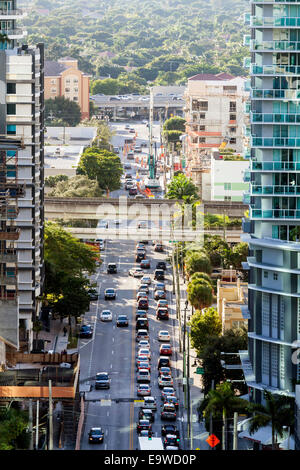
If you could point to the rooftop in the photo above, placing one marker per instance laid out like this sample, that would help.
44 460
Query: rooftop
209 76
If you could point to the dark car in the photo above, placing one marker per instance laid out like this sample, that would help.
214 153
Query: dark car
145 264
122 320
139 257
112 268
171 442
143 303
163 361
142 324
93 294
86 331
169 429
143 424
161 265
110 294
159 274
133 191
146 413
159 247
102 380
96 435
162 314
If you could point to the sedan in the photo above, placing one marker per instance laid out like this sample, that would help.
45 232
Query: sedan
171 442
165 381
145 264
144 343
146 352
141 314
143 425
133 191
141 358
136 272
169 429
164 371
172 399
166 391
161 265
160 286
110 294
146 413
106 315
162 303
96 435
145 288
142 334
159 294
145 364
86 331
168 411
144 390
163 335
143 375
141 294
165 350
162 314
146 280
143 303
122 320
102 380
159 247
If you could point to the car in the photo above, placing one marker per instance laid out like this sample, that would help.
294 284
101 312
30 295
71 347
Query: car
167 391
96 435
133 191
169 429
165 350
164 335
141 293
110 293
165 381
160 286
159 294
143 303
142 224
142 334
130 156
142 323
168 411
158 247
139 257
162 303
146 280
131 130
144 390
136 272
145 264
128 176
146 413
106 315
145 352
143 375
138 149
159 274
122 320
93 294
127 166
142 425
129 184
145 288
127 126
102 380
145 433
162 313
172 399
116 149
101 245
86 331
150 403
164 371
141 358
140 245
163 361
112 268
141 314
171 442
161 265
141 250
144 364
144 343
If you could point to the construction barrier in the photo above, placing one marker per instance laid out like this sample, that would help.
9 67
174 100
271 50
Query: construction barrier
80 424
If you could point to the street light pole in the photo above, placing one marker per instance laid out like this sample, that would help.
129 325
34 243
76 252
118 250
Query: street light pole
184 354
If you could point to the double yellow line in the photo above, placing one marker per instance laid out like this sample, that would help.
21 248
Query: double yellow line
132 376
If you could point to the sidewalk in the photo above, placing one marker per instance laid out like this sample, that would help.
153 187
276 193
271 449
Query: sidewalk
57 341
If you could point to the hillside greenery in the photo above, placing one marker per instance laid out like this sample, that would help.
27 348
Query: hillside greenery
142 41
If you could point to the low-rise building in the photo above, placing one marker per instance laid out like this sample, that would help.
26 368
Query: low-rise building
232 303
62 160
227 178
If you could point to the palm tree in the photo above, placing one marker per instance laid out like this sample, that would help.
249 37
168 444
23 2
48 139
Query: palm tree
182 188
223 401
278 411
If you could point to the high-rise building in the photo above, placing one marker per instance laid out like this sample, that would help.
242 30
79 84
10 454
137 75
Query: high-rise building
273 225
21 181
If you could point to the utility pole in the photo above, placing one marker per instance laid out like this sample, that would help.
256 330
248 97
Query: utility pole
50 417
30 425
235 439
210 415
37 425
188 385
184 355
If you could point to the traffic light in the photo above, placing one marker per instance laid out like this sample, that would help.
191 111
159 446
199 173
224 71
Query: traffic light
149 435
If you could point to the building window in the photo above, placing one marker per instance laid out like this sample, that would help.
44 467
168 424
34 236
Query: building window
202 140
227 186
75 80
266 274
67 90
53 90
76 90
227 198
232 106
11 130
11 89
75 98
232 141
198 105
53 81
232 117
11 109
275 276
230 88
232 130
202 116
202 128
68 81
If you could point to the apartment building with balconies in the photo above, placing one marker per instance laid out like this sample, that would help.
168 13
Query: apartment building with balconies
21 183
273 225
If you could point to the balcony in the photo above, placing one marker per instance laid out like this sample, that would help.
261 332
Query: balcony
246 62
270 118
8 280
247 107
275 94
272 214
272 21
246 40
283 190
273 142
247 17
265 46
247 85
246 225
10 233
8 297
6 14
247 176
246 198
8 256
14 33
274 166
274 69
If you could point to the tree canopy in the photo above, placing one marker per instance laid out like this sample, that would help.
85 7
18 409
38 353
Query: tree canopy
182 188
62 109
203 327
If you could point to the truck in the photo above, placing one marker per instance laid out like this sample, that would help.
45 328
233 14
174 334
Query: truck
153 444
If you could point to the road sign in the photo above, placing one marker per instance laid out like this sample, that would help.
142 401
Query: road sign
200 370
105 402
212 440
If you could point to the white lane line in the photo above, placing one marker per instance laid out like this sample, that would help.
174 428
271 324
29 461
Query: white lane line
107 414
111 366
113 340
112 352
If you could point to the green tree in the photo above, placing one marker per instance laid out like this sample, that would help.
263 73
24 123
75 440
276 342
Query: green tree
200 276
175 123
62 108
182 188
107 86
196 262
203 327
173 136
199 293
278 411
13 425
223 401
52 181
218 250
103 166
77 186
239 254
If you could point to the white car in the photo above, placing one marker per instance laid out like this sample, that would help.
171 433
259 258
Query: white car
136 272
163 335
145 352
165 381
106 315
144 343
143 375
146 280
